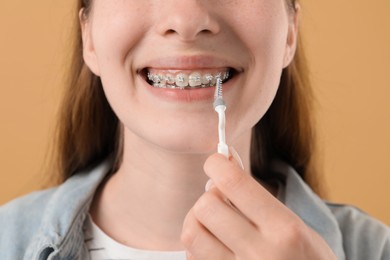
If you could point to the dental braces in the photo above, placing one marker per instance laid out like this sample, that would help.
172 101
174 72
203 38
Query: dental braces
184 81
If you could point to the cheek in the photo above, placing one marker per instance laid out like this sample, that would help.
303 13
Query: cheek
266 69
117 29
260 91
266 44
262 27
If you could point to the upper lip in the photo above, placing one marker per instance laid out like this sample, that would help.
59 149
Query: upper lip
192 62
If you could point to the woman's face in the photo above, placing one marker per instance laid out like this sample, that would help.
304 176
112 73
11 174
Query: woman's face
180 44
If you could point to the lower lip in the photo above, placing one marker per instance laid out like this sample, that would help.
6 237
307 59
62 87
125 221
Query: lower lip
188 95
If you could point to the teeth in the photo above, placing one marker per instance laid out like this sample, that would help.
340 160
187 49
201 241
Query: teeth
206 79
182 80
195 79
170 79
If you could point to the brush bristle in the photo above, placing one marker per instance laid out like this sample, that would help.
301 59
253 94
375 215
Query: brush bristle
218 100
218 89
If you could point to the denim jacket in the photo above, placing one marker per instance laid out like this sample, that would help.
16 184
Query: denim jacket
49 224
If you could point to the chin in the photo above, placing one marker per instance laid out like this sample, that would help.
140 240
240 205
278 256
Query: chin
185 143
194 133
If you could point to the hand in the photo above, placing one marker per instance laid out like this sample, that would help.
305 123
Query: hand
258 226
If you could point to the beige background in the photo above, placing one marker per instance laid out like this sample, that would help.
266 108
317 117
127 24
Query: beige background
349 50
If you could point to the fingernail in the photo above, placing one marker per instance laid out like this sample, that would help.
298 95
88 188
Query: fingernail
236 157
209 185
189 256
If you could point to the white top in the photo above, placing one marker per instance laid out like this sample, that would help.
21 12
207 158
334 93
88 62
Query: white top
101 246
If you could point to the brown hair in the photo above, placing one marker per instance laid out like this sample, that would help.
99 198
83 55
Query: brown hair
89 131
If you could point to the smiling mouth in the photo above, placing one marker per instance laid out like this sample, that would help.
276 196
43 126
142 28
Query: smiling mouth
184 79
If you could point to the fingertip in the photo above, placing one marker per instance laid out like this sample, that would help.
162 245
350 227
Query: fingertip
213 160
189 255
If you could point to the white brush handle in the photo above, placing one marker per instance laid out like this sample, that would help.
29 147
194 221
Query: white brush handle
222 146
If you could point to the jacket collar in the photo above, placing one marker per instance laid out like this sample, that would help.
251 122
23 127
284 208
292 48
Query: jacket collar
59 235
60 238
299 197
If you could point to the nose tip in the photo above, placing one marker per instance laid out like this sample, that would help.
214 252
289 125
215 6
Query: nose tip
190 30
187 20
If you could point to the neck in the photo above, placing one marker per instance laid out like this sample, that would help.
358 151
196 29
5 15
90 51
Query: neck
144 204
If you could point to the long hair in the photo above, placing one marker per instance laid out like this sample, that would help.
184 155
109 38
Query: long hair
88 131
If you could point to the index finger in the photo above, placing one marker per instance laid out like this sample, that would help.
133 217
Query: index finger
247 194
